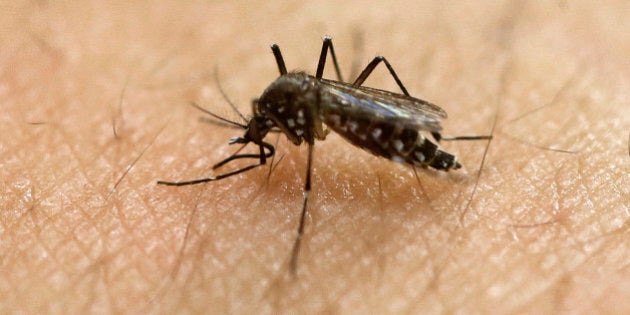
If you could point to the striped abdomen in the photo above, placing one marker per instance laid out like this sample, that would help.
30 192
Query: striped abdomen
391 141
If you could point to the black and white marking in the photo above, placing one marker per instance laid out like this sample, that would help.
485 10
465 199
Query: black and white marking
305 108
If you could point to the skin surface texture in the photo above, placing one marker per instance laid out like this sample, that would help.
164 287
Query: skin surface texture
94 101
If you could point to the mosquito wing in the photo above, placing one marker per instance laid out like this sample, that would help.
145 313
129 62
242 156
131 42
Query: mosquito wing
362 101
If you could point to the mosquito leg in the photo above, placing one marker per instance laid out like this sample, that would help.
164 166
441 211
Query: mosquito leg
209 179
460 138
262 155
439 137
263 160
370 67
322 59
235 157
300 232
279 60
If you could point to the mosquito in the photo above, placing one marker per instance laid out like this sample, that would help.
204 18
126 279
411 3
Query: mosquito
305 108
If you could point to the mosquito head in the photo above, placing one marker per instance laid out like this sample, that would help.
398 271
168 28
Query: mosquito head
256 130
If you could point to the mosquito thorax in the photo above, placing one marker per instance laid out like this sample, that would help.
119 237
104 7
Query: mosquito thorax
288 103
257 129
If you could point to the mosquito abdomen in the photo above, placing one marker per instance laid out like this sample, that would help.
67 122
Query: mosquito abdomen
392 141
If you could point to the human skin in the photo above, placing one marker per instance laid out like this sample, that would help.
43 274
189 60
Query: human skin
94 111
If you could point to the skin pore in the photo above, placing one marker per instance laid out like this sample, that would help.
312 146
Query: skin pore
95 111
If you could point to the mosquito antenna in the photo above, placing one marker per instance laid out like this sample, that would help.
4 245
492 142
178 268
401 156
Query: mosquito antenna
219 123
217 116
225 97
226 125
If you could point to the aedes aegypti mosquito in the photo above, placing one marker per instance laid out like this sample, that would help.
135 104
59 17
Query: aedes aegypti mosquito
303 106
